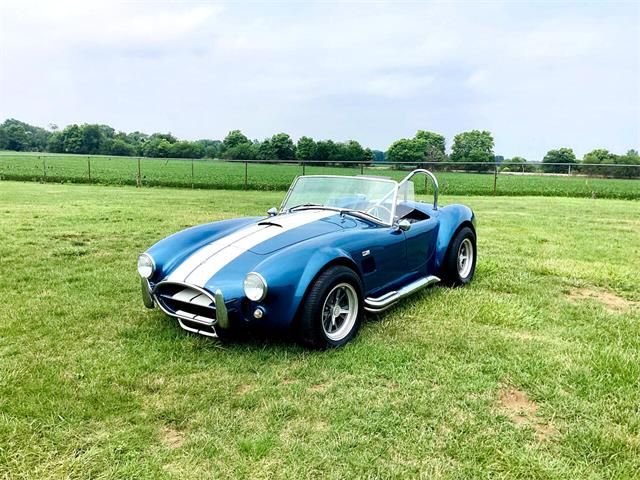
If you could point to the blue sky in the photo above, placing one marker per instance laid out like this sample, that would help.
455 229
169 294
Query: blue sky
538 75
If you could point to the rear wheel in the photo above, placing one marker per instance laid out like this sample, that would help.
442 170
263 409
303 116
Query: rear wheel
460 261
332 311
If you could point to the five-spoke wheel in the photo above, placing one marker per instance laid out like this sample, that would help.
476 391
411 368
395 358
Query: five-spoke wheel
339 311
332 310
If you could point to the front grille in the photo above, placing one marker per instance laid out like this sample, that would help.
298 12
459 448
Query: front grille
186 302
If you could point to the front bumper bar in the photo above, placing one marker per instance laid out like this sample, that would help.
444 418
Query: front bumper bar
147 297
222 315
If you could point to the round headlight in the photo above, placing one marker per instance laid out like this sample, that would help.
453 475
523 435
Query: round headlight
146 265
255 288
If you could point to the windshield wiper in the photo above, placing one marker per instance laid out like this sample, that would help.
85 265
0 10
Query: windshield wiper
307 205
361 214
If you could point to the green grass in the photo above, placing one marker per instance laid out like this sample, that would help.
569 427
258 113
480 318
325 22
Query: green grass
93 385
226 175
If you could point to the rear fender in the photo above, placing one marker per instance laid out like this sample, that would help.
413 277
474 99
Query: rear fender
452 218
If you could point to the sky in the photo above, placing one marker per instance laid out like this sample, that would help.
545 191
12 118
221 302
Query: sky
538 75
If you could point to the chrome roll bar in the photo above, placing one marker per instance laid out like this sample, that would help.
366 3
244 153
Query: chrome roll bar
433 178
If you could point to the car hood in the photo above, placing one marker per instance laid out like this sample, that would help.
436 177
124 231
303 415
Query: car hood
245 247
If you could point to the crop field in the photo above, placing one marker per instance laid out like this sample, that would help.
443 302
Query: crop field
213 174
532 371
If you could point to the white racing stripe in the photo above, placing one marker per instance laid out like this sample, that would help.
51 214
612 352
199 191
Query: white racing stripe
210 259
199 256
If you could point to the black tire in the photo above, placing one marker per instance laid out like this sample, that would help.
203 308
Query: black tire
450 273
332 281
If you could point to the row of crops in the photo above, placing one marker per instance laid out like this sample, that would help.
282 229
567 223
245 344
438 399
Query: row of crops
217 174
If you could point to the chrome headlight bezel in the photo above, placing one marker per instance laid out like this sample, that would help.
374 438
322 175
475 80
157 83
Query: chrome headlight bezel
255 287
146 265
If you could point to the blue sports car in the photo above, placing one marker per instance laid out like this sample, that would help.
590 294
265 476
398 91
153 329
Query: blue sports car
337 247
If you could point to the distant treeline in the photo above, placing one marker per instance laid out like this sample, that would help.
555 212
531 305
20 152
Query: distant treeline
94 139
425 147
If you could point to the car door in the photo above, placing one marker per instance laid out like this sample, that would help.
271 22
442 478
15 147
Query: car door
421 244
382 257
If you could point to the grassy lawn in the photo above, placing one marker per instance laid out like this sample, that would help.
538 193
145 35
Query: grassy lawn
532 371
227 175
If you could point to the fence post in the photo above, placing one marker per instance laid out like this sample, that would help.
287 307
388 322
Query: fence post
44 169
89 167
246 174
569 169
362 169
495 179
192 173
303 167
139 176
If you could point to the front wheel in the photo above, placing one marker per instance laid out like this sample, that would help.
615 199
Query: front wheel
332 311
460 261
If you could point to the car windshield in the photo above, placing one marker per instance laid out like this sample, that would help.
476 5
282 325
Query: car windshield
370 195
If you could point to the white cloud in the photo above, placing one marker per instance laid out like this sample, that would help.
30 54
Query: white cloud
537 75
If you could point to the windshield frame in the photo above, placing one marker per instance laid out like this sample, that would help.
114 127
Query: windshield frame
391 182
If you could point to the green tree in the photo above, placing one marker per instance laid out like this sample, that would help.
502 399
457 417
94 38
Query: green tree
241 151
423 147
13 136
266 150
517 164
347 153
186 149
561 155
118 146
56 143
306 149
165 136
379 156
137 139
630 158
233 139
211 147
325 149
92 139
407 150
473 146
598 157
156 147
17 135
433 144
283 146
72 139
369 156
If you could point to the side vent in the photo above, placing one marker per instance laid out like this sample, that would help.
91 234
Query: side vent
368 264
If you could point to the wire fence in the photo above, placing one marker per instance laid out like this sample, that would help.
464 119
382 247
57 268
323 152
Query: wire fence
476 178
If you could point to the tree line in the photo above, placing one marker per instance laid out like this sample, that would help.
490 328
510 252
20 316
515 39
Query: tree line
96 139
472 150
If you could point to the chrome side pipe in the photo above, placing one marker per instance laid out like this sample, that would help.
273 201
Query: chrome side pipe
379 304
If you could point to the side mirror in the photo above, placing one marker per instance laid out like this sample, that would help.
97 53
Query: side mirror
272 212
404 225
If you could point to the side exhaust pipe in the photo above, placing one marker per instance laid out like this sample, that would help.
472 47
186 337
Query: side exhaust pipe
376 305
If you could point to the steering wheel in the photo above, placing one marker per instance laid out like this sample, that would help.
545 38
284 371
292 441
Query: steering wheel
376 206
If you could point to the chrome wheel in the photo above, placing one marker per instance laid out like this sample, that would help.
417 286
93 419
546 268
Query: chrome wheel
465 258
339 311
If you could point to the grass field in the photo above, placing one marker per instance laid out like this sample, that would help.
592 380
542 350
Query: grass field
226 175
530 372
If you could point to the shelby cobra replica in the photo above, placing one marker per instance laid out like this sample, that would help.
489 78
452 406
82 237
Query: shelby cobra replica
338 246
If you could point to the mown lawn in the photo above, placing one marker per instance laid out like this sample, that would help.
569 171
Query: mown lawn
533 371
214 174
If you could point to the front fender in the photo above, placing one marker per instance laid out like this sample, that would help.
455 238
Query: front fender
289 280
451 218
